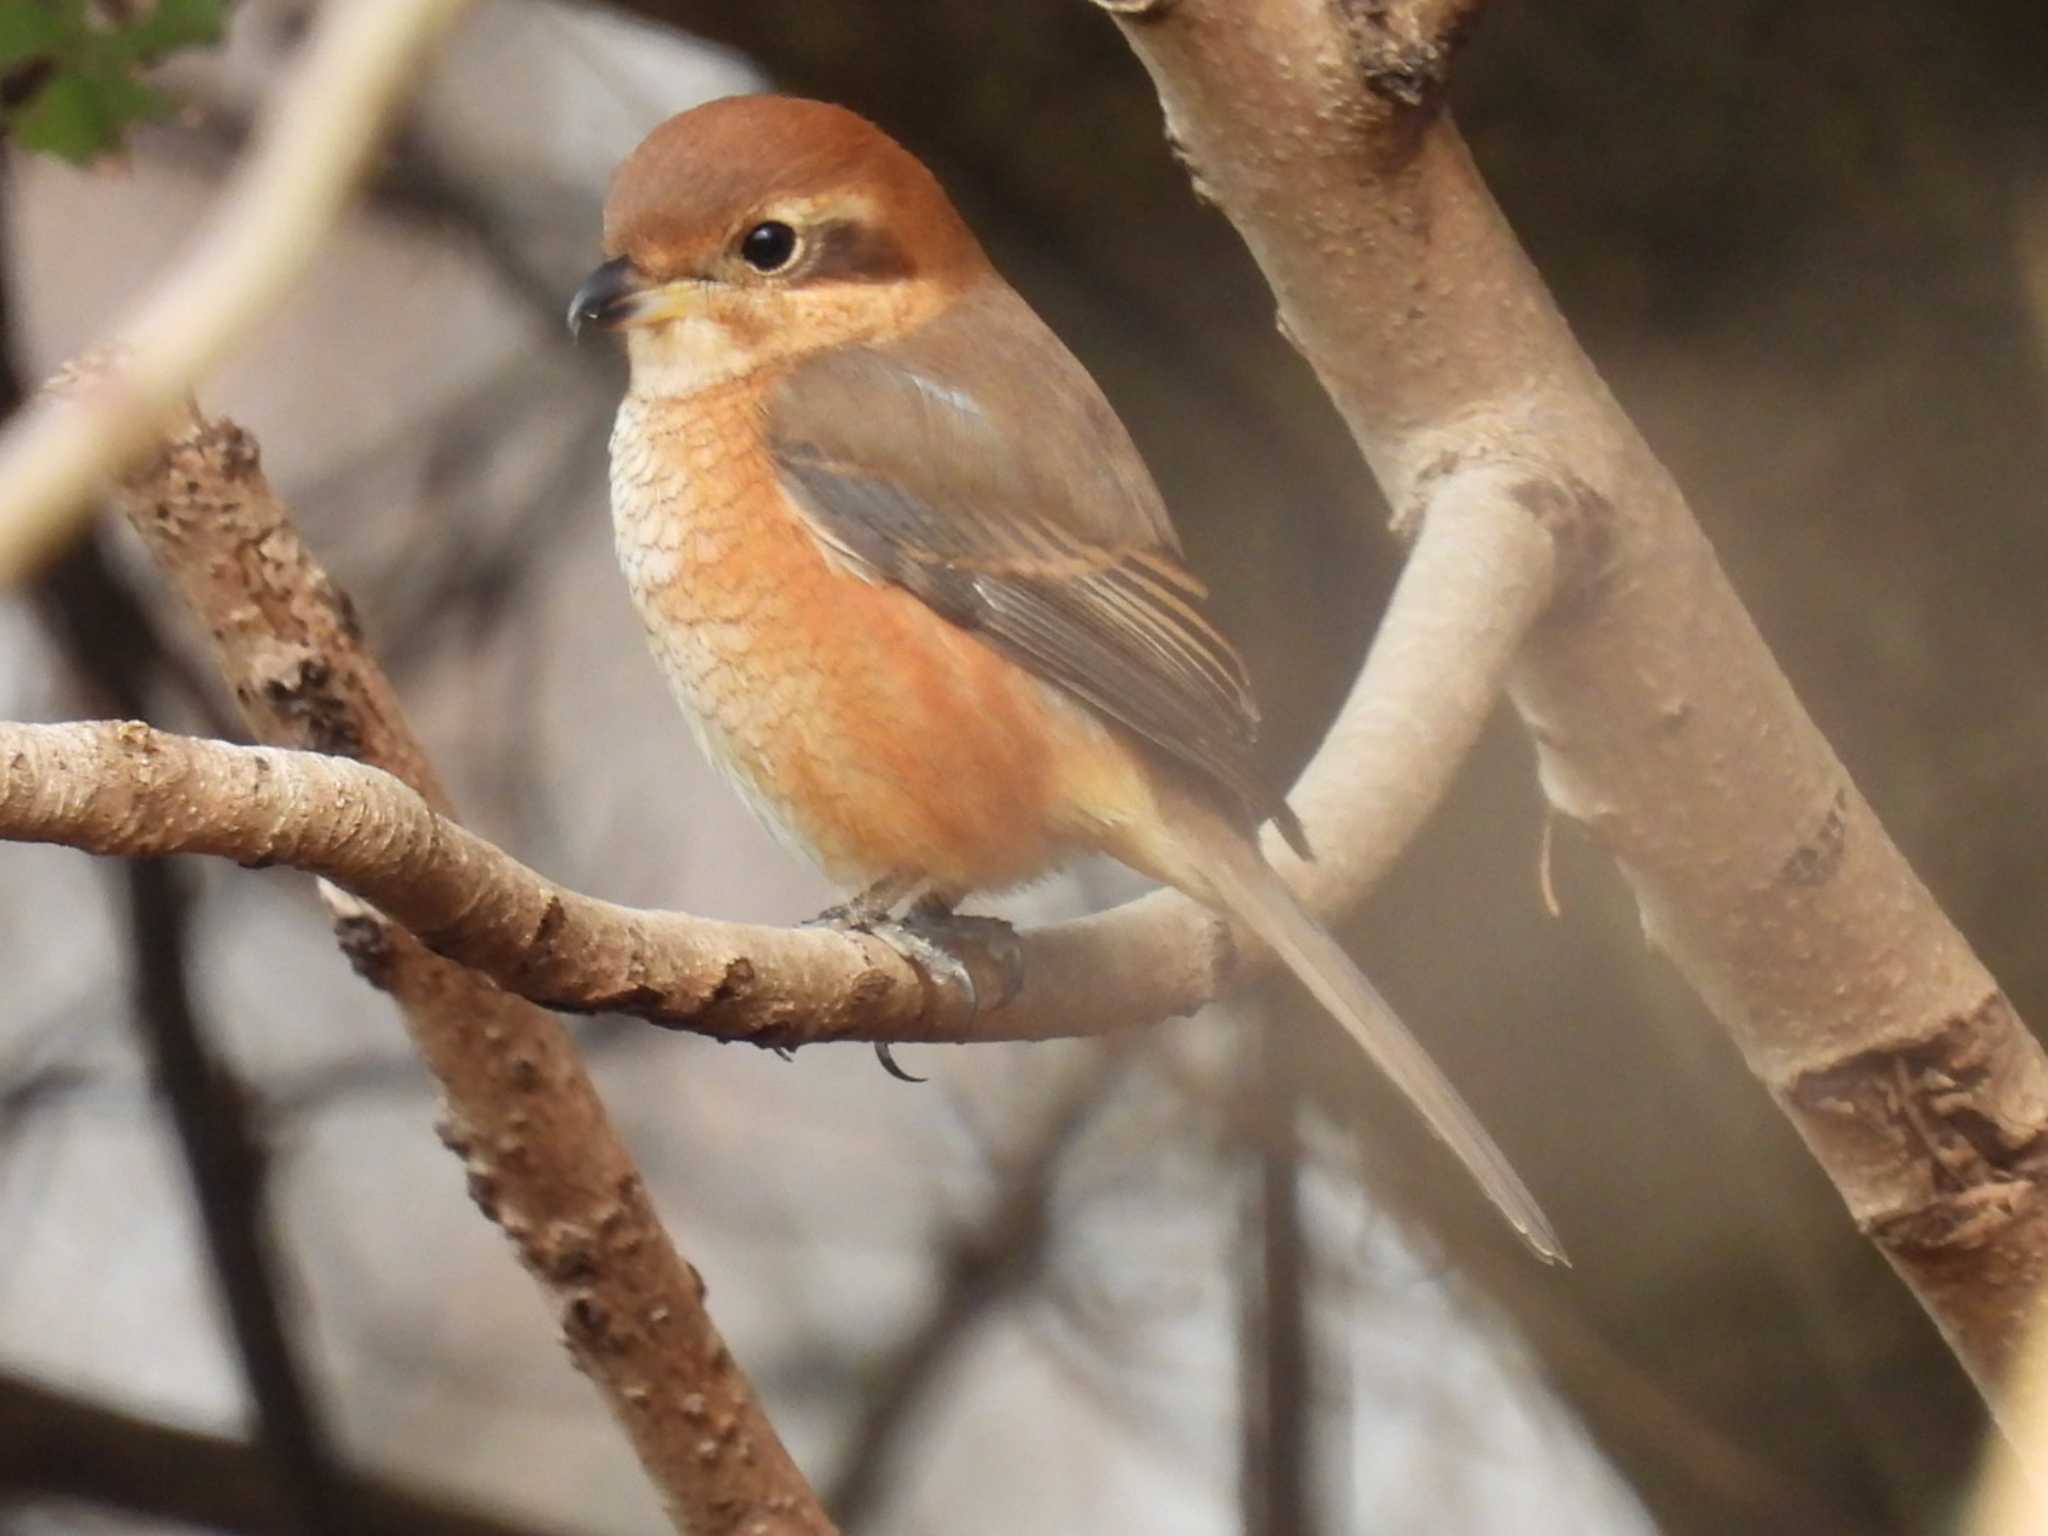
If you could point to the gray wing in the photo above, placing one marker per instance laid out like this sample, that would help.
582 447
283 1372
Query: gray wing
1016 506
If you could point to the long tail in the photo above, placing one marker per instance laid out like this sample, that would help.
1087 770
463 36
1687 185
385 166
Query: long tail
1247 887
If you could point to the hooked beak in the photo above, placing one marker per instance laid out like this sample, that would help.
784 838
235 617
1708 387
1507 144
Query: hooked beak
609 297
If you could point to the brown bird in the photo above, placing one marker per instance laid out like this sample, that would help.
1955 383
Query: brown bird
910 580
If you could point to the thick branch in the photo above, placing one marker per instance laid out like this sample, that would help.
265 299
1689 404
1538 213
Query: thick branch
1662 722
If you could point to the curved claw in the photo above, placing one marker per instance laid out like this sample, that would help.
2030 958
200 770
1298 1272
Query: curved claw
888 1061
991 935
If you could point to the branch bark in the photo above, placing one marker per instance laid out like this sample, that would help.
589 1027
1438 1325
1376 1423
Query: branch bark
1661 721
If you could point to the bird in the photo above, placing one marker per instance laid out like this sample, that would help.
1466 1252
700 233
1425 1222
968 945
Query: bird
907 574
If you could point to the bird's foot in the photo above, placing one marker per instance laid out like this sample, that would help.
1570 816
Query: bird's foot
999 977
977 956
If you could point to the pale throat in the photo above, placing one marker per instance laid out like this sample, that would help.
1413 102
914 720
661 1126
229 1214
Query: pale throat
690 354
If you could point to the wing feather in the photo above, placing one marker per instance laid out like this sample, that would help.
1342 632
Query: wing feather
1017 506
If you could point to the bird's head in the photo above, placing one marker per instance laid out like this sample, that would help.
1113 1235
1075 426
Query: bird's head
759 229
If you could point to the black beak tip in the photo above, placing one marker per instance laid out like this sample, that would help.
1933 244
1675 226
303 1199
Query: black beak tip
604 297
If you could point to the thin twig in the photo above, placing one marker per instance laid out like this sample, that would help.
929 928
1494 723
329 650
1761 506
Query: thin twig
1277 1357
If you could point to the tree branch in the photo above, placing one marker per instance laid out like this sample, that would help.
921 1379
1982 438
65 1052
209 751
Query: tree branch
107 637
1662 722
1278 1379
125 789
330 112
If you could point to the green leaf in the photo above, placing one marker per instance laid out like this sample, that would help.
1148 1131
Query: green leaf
76 80
28 30
63 119
173 24
82 115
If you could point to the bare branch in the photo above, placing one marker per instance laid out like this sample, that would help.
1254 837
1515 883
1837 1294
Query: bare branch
229 1168
331 110
103 631
99 626
1280 1389
542 1159
1661 720
126 789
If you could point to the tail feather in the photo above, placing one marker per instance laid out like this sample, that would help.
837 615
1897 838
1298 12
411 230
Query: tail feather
1245 885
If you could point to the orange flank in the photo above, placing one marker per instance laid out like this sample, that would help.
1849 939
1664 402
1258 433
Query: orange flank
869 732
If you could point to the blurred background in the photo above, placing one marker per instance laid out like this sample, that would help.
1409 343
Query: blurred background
1206 1278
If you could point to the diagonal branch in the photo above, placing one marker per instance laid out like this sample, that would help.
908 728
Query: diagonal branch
1661 720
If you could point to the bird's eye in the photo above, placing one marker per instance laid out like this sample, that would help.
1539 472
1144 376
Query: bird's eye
768 247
